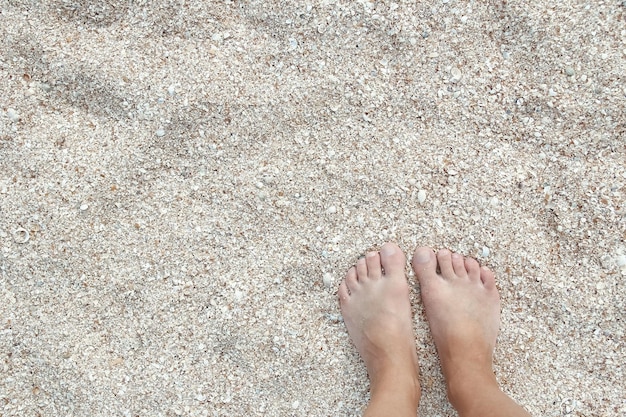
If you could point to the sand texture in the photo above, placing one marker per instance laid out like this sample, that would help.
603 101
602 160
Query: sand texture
183 184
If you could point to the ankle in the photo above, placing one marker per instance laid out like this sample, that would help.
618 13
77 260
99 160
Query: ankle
400 386
468 387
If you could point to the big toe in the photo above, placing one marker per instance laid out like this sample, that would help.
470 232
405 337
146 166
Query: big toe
392 259
424 264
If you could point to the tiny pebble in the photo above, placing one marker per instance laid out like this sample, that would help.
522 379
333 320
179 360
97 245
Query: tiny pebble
318 229
332 210
328 280
84 207
3 233
295 404
171 90
485 253
421 196
621 261
600 285
13 115
570 71
160 133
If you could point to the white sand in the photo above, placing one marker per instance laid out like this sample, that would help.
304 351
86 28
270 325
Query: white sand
186 172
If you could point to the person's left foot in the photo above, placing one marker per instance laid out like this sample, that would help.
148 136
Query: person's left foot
375 305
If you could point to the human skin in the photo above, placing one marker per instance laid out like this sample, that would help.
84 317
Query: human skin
462 305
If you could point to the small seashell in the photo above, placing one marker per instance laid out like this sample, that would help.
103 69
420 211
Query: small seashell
421 196
21 236
328 280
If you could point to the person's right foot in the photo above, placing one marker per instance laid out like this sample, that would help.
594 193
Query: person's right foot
463 309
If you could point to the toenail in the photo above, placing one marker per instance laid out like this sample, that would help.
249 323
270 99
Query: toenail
456 255
422 256
371 254
388 250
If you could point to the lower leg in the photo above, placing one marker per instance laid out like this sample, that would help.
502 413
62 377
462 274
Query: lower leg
463 309
375 305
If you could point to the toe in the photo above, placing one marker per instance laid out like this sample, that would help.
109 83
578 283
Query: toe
472 268
444 260
374 268
343 293
458 265
424 264
487 277
361 269
392 259
351 280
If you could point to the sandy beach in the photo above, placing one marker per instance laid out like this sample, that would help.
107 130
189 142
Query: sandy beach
184 183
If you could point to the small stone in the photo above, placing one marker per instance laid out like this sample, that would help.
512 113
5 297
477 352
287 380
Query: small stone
570 71
160 133
259 185
295 404
621 261
84 207
600 285
328 280
433 55
421 196
485 253
13 115
171 90
3 233
318 229
332 210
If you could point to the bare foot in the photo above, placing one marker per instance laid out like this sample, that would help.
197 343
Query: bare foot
463 309
375 305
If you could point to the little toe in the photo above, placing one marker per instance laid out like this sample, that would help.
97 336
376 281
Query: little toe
487 277
351 280
473 269
458 264
444 260
361 269
374 268
424 264
343 292
392 259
